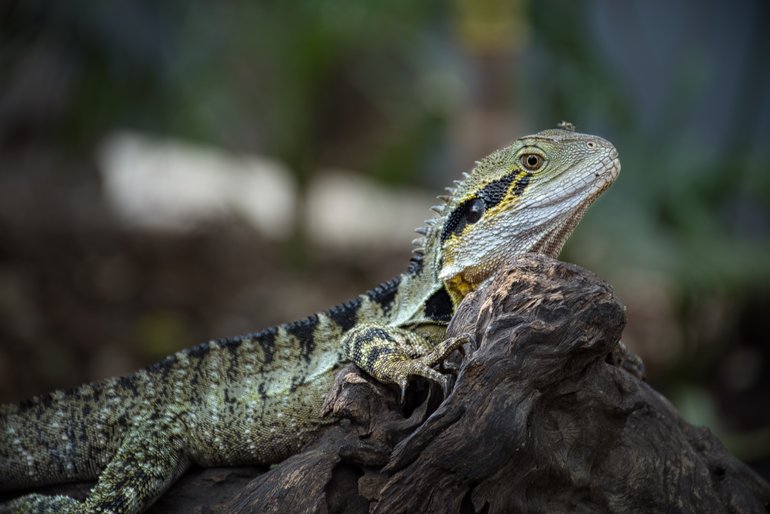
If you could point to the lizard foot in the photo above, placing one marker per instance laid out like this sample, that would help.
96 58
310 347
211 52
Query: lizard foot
394 355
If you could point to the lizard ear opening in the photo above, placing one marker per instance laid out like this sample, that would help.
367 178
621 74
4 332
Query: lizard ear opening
467 213
474 210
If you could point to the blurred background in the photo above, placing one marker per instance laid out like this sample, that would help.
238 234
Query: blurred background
176 171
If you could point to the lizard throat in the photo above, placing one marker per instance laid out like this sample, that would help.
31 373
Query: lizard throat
462 284
551 242
458 288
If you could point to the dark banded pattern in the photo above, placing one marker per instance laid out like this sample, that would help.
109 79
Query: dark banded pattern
304 331
385 293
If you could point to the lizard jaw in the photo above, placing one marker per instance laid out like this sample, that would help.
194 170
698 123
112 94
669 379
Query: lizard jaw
552 241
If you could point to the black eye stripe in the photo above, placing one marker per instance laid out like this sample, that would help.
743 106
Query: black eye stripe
492 194
456 220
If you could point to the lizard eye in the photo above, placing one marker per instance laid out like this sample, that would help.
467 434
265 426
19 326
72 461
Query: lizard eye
475 210
531 161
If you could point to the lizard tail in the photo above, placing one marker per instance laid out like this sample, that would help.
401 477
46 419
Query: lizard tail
64 435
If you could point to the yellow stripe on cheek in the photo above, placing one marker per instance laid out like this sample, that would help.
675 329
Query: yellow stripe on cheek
512 196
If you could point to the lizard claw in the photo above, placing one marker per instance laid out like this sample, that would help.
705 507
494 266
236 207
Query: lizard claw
399 372
444 387
450 366
403 384
443 382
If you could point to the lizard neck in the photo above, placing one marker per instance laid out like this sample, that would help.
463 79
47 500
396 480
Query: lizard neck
422 297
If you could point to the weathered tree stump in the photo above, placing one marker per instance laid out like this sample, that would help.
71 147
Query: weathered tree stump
548 414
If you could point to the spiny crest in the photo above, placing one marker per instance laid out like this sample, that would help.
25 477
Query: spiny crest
442 209
485 170
490 168
431 226
419 243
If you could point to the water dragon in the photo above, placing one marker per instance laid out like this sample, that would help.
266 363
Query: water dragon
256 398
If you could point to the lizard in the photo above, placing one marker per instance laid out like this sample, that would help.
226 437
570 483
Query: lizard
256 398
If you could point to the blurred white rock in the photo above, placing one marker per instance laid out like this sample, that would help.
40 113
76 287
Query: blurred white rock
351 212
164 184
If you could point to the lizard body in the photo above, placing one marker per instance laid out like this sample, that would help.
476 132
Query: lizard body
256 398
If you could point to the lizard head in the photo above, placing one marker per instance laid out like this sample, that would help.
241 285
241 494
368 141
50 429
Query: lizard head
527 197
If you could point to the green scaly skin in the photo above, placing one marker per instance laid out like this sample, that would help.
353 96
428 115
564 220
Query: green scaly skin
256 398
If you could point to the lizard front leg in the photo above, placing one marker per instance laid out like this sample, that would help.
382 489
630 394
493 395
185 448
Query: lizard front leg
393 354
